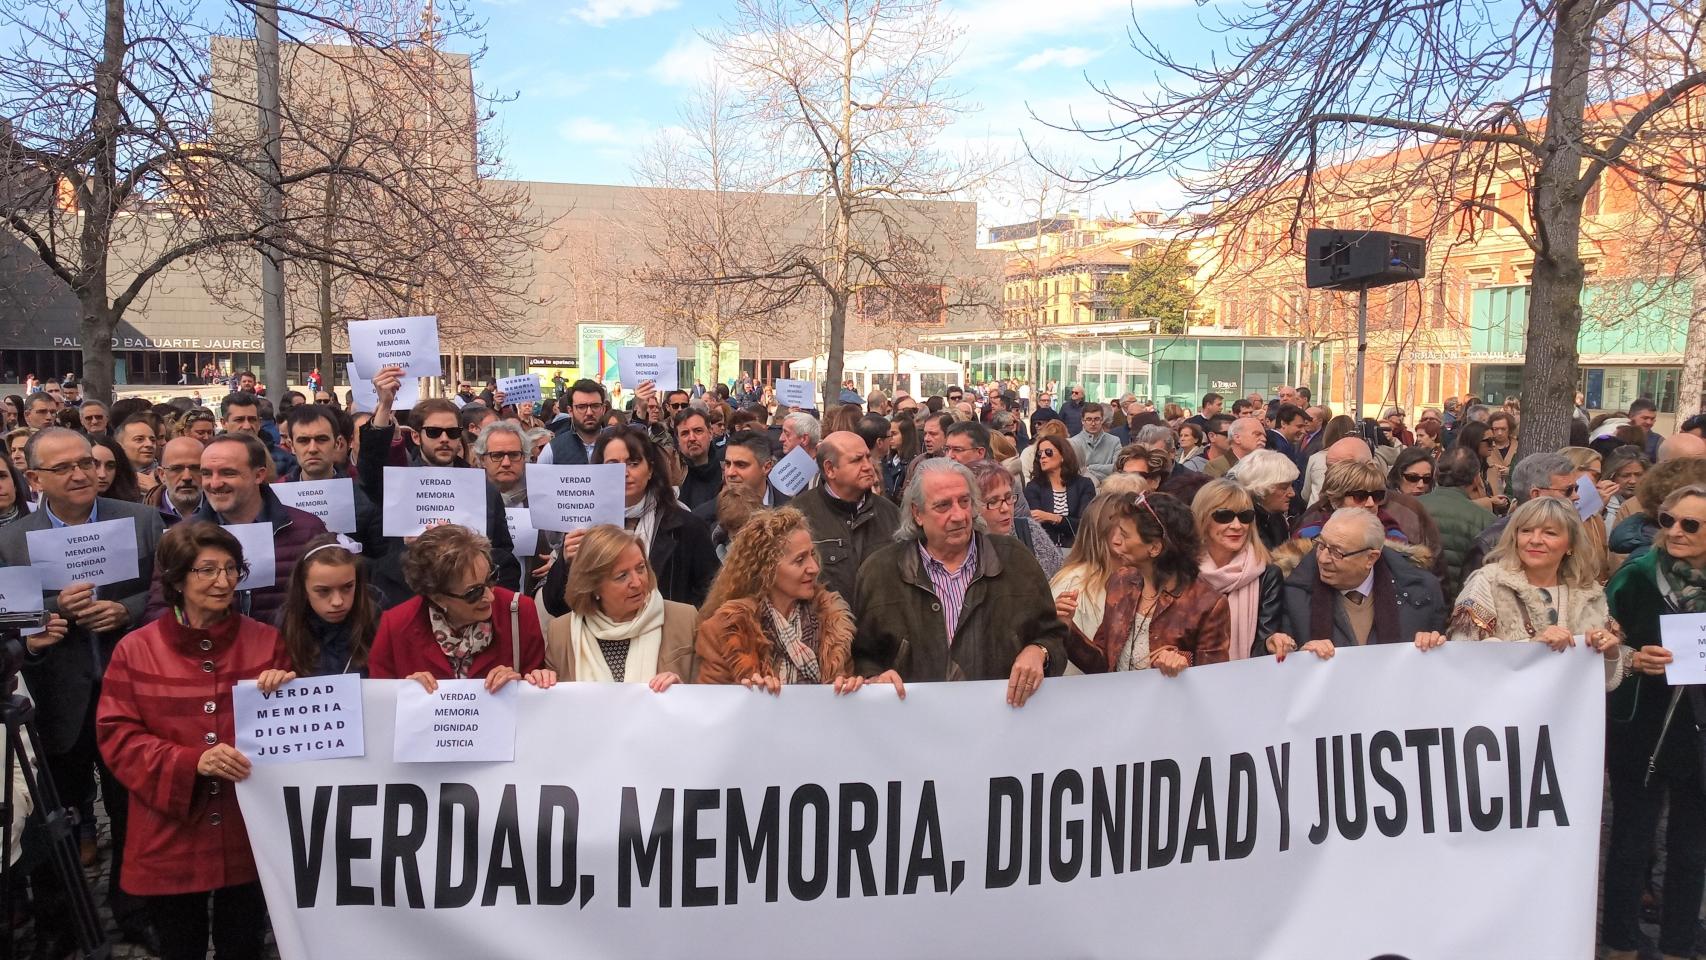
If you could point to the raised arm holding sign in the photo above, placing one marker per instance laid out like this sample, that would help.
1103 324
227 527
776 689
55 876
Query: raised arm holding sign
408 342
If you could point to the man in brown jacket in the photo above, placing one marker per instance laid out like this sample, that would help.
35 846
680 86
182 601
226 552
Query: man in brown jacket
948 601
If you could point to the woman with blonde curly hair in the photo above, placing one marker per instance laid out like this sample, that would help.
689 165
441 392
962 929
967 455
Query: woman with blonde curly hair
769 621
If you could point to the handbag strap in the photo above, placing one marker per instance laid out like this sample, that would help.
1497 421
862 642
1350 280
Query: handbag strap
515 630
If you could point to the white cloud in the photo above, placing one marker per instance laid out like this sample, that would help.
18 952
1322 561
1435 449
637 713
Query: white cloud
996 29
600 12
1069 57
686 63
592 130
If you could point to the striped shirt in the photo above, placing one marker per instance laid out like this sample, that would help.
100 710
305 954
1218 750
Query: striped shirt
951 585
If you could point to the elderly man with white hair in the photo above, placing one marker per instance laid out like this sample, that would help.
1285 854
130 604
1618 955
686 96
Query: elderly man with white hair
1353 590
1244 436
800 429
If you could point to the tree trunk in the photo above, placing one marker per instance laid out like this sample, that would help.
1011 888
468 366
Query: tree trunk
1691 393
100 318
1555 291
96 331
328 373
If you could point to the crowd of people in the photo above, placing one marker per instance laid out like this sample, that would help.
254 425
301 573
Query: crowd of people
971 535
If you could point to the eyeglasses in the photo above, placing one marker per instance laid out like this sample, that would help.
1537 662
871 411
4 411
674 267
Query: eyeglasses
478 590
1426 478
1245 517
235 572
587 407
1001 503
1564 493
678 406
1689 525
1372 496
1329 552
504 456
439 433
86 464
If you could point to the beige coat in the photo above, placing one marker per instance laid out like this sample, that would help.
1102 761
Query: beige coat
675 653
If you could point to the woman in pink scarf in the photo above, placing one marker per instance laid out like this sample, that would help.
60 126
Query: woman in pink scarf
1235 563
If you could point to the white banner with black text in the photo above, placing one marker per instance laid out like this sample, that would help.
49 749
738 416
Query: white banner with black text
1387 802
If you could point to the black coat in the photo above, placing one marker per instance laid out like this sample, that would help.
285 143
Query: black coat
1039 495
682 556
700 484
1420 606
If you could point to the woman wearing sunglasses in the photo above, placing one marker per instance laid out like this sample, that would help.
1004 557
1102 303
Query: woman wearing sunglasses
1652 748
1235 564
1351 483
1058 493
459 625
1413 472
1159 612
1268 476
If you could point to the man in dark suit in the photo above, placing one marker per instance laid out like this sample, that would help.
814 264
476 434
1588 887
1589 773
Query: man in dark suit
65 677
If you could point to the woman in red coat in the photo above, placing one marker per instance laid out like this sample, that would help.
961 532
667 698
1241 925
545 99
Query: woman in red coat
166 728
461 626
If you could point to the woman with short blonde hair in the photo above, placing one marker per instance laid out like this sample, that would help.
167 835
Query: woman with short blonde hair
619 628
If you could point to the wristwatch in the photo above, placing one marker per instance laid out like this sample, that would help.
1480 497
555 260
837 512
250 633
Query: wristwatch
1045 655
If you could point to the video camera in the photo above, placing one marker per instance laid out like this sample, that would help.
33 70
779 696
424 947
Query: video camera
14 627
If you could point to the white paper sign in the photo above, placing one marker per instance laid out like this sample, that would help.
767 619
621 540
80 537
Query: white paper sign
795 393
522 389
419 498
408 342
333 501
522 532
794 471
458 721
639 364
1684 635
311 718
367 398
257 541
20 592
564 498
97 553
1588 501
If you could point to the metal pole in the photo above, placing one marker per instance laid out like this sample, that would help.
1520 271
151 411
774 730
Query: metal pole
1362 349
272 268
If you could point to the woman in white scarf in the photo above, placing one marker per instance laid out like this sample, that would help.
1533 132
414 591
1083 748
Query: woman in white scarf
619 629
1235 563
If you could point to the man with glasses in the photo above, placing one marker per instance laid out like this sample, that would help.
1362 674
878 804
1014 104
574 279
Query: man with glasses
179 494
1097 449
325 399
588 403
501 448
234 490
465 392
40 411
1044 411
1072 411
64 676
439 434
1541 475
92 414
676 401
966 442
1353 590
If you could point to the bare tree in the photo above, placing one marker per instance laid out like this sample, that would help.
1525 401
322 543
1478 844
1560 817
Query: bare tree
1036 188
703 219
1440 100
128 167
855 93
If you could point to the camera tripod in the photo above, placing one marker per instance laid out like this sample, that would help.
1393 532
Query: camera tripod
57 825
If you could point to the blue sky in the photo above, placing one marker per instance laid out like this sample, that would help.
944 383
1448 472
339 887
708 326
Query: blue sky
592 80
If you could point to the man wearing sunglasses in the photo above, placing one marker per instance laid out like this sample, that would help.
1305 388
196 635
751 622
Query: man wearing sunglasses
440 433
64 670
1072 411
1353 590
1541 475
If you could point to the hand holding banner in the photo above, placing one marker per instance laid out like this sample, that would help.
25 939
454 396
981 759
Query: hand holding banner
564 498
310 718
408 342
98 553
639 364
420 498
458 721
521 389
333 501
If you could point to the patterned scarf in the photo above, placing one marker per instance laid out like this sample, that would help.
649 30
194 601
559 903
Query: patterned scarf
793 643
1688 581
461 646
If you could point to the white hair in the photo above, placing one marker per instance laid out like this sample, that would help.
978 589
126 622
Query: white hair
501 426
1373 535
914 498
1261 471
804 425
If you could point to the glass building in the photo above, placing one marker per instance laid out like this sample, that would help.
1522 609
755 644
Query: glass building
1156 368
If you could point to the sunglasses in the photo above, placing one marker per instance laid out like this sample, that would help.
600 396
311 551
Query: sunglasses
1372 496
1245 517
678 406
478 590
1142 500
1426 478
439 433
1689 524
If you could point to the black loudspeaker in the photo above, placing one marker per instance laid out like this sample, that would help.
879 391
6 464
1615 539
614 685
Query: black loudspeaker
1359 259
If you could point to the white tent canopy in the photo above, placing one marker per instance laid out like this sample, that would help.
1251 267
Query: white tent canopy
861 366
